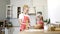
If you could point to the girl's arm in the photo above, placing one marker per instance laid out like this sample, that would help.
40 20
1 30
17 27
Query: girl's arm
20 18
20 21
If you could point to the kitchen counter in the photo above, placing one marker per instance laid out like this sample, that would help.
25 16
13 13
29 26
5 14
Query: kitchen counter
52 32
35 31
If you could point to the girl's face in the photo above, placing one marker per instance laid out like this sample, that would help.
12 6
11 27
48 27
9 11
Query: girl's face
26 9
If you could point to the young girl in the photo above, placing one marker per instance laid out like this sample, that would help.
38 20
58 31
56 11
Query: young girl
39 19
24 18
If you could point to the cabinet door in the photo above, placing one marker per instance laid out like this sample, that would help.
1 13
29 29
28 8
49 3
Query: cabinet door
32 10
8 11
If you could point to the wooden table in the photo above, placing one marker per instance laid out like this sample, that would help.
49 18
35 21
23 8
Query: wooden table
39 32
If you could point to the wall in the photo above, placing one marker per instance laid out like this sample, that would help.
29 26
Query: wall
41 5
54 10
18 3
3 4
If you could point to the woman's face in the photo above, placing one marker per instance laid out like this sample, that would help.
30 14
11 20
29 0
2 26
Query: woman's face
38 18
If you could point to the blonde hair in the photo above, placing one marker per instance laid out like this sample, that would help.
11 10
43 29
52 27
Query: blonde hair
25 6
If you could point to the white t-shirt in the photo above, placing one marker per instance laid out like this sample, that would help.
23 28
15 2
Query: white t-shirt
21 16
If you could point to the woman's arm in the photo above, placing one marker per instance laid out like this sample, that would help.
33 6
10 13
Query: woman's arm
38 26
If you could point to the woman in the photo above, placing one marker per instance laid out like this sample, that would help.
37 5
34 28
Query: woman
24 18
39 24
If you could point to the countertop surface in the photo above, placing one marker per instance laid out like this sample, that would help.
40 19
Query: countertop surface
38 31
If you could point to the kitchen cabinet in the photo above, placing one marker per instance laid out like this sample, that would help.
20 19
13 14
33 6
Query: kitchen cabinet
8 11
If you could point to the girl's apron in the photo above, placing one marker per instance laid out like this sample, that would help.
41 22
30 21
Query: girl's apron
24 22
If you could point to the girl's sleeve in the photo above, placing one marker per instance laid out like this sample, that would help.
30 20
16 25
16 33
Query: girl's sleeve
20 16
